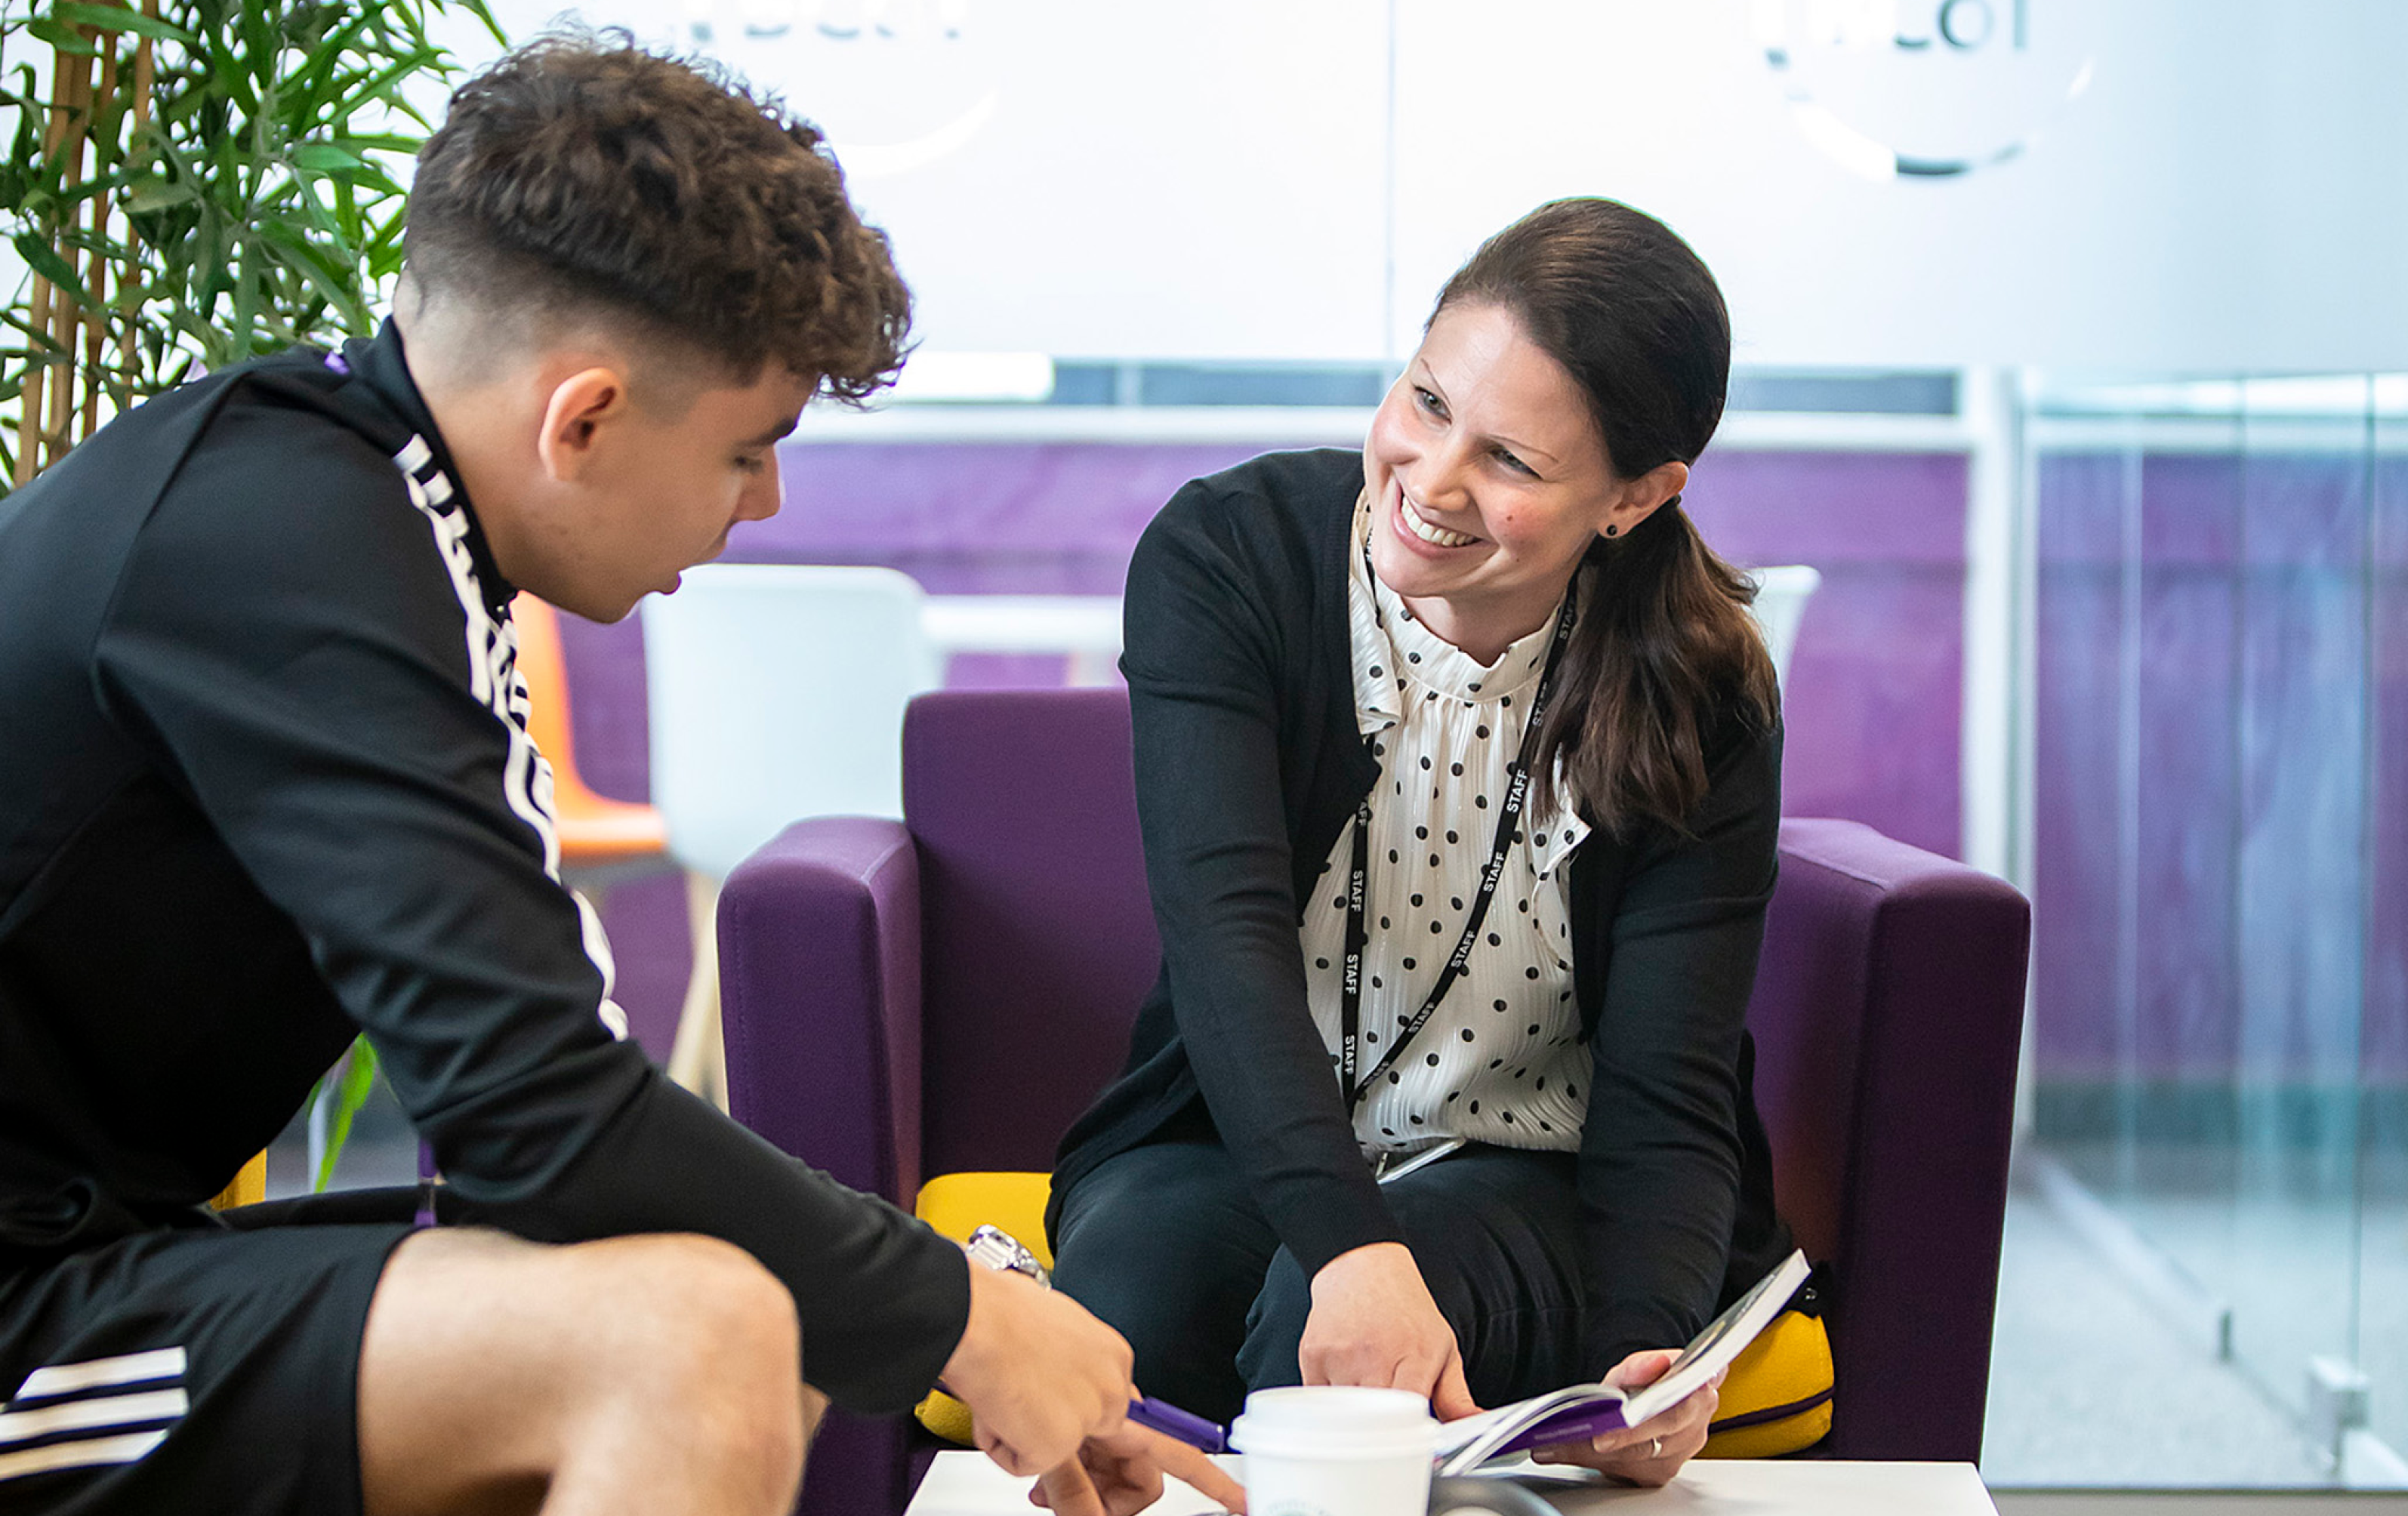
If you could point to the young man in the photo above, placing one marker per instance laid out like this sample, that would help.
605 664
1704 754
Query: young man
264 783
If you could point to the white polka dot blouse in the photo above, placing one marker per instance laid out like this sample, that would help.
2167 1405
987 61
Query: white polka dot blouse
1500 1061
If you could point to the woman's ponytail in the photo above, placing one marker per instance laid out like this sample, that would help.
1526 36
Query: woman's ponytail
1665 644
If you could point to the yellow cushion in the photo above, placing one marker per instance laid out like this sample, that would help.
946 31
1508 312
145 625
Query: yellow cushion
1777 1396
248 1188
1788 1365
957 1204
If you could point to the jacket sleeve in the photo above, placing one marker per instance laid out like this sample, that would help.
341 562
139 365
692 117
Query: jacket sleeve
1660 1153
1203 659
299 651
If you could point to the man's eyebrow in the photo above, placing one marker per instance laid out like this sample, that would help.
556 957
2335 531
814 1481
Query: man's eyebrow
773 434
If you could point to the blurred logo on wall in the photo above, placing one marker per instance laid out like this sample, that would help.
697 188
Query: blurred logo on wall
896 84
1925 89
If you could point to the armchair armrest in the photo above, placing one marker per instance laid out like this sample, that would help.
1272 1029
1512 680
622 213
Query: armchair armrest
1889 1013
819 955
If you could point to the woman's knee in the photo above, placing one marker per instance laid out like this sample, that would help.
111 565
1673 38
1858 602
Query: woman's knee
1275 1327
1159 1237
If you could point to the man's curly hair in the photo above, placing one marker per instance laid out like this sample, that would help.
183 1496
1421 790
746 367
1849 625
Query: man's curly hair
583 175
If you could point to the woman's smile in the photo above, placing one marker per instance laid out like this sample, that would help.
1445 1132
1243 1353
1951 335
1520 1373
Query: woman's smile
1410 517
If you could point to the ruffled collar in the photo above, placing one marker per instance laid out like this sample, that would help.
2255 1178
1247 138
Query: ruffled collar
1397 657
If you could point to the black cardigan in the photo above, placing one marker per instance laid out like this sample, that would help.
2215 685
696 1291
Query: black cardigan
1250 762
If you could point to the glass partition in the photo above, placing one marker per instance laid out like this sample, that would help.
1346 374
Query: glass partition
2219 734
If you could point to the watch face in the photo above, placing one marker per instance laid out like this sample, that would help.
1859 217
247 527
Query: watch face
998 1248
1925 89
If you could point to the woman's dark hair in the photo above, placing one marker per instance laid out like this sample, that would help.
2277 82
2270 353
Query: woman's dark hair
1665 644
582 176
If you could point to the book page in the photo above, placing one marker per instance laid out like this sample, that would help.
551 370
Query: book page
1583 1410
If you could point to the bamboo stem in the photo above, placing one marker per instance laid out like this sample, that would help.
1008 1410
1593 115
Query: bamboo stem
32 397
74 99
95 305
129 285
29 394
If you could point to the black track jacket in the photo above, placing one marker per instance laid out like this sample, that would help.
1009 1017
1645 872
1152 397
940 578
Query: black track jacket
265 783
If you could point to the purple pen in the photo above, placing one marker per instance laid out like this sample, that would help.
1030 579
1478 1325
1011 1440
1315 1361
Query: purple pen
998 1248
1186 1426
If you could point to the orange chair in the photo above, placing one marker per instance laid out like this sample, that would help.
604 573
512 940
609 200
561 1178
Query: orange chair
596 831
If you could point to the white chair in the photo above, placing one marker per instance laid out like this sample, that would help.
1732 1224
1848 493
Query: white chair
1781 596
777 692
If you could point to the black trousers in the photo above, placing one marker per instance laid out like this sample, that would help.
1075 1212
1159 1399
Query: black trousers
1164 1243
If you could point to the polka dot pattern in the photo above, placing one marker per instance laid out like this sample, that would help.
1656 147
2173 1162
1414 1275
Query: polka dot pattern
1501 1059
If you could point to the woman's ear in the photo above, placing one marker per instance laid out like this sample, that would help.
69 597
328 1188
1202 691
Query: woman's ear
1635 500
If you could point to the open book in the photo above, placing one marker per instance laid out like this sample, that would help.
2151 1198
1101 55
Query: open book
1583 1410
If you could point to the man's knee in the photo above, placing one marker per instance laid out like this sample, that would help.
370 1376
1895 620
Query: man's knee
515 1361
709 1320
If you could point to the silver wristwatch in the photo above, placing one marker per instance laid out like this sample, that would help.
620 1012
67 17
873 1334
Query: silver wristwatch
998 1248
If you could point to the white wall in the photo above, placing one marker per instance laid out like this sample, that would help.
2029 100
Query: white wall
1292 179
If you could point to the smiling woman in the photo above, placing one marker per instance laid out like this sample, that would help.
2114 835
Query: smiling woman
1458 764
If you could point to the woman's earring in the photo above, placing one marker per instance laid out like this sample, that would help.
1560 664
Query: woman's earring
1611 530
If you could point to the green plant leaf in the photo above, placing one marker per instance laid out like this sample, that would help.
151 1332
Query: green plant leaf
264 187
351 1090
296 252
65 38
44 259
368 142
122 19
327 158
145 195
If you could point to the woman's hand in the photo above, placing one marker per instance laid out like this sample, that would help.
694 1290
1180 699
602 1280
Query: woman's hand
1121 1473
1653 1452
1373 1323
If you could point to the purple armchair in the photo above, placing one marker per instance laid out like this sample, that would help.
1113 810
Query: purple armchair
945 993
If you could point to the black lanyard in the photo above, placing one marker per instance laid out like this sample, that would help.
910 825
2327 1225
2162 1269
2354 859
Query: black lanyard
1350 984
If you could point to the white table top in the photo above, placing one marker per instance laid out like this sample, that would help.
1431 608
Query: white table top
967 1484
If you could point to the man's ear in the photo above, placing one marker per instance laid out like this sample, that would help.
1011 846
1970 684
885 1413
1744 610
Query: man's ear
1642 497
579 408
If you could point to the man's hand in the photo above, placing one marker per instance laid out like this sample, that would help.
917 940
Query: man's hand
1039 1374
1121 1473
1653 1452
1373 1323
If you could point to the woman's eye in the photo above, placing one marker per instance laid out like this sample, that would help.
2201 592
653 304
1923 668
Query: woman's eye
1429 402
751 462
1517 465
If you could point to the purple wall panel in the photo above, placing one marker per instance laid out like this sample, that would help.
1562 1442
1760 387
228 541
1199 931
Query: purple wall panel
1042 517
2080 972
2210 796
2302 776
1874 705
1875 696
2386 976
646 920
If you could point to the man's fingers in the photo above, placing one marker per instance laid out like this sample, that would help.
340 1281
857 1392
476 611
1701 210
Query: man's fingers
1002 1455
1208 1479
1067 1490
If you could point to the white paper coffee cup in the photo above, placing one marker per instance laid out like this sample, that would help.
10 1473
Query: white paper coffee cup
1335 1450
